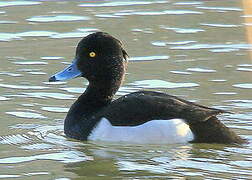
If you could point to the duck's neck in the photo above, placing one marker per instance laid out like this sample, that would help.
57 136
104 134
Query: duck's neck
96 96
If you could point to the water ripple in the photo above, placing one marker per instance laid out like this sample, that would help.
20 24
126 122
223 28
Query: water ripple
38 146
240 103
3 98
153 13
25 126
36 33
22 114
8 36
88 29
55 83
159 43
181 72
58 18
210 166
121 3
149 13
10 86
37 73
8 22
126 90
122 90
11 74
55 109
245 65
107 16
74 89
23 175
180 42
144 30
18 3
70 35
220 25
51 58
29 70
244 69
30 63
243 85
225 93
201 70
149 58
14 139
188 3
212 46
51 34
218 80
64 156
137 166
220 8
183 30
162 84
42 95
226 50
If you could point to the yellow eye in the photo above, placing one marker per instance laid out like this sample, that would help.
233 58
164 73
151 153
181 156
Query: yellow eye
92 54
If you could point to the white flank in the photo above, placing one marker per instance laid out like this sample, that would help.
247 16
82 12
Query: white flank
153 132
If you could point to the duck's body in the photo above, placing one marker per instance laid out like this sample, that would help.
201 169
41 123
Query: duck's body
140 117
143 117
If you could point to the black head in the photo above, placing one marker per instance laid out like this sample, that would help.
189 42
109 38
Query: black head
99 58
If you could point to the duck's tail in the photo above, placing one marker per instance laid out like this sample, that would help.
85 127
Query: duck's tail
213 131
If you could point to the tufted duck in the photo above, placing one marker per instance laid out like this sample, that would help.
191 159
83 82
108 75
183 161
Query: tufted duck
139 117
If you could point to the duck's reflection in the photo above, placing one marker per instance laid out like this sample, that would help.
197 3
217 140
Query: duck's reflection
117 160
127 160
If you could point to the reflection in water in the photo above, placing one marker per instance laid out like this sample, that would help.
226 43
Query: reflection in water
141 160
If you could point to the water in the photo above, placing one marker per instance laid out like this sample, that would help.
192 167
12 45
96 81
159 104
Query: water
183 48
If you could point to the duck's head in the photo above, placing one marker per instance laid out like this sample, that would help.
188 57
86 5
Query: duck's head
99 58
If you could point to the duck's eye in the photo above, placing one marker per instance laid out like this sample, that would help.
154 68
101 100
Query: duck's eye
92 54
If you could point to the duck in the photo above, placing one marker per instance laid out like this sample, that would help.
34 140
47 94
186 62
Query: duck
139 117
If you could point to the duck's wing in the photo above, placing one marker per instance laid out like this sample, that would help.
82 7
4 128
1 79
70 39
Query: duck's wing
143 106
140 107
